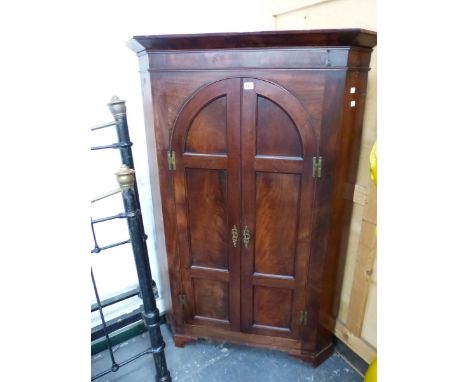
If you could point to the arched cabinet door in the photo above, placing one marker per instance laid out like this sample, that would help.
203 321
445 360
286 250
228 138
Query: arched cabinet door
206 142
244 201
278 144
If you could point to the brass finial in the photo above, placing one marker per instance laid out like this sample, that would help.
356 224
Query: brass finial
117 107
125 177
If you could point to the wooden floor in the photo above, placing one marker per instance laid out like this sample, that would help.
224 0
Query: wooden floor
216 361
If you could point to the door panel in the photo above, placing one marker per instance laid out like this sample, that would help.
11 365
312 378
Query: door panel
207 211
272 308
277 207
211 299
206 142
278 143
243 160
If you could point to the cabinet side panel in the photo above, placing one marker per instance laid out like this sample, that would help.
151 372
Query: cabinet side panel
163 205
347 157
325 211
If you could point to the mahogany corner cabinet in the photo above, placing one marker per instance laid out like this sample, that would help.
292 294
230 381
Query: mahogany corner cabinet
253 145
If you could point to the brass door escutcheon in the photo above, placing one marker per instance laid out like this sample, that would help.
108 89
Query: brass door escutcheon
246 236
235 235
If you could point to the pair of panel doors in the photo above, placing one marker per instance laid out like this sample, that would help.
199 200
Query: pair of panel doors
244 206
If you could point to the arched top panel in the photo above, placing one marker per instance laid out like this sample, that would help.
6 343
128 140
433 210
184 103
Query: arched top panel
283 125
277 134
207 133
201 126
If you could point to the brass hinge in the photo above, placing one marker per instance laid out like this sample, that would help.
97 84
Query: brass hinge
317 167
171 161
183 301
303 318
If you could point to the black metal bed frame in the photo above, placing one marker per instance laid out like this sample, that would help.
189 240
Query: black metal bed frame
150 314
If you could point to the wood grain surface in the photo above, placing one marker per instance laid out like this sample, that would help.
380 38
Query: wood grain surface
245 115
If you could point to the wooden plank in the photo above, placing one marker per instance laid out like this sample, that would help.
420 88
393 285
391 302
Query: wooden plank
360 195
357 344
356 193
366 255
370 213
369 325
351 259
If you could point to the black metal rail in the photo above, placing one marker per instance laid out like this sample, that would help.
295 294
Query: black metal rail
132 214
119 298
116 324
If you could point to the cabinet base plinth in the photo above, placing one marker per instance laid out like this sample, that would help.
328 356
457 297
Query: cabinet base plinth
292 347
315 359
180 340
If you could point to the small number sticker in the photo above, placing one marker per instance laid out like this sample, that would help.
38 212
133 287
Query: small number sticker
248 85
353 103
352 90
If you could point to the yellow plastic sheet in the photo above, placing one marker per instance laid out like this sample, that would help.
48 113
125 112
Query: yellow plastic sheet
373 163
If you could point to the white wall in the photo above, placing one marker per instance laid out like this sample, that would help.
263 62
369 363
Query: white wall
113 69
60 64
